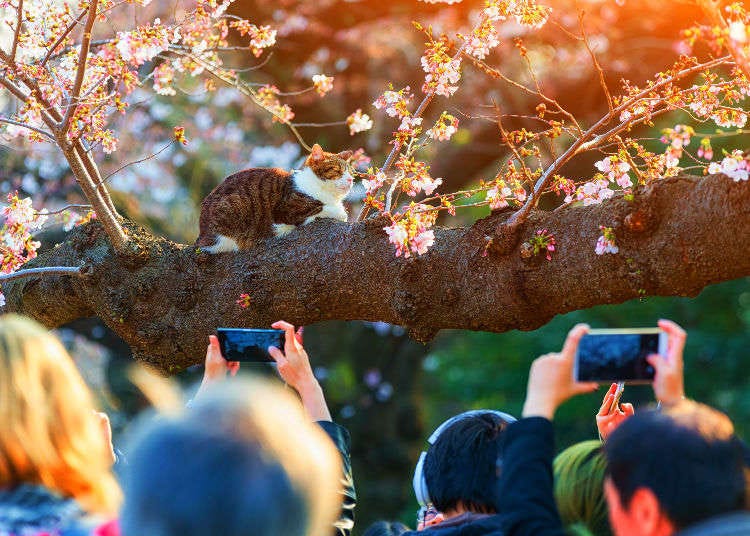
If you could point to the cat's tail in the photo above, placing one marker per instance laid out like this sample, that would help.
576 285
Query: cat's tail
216 243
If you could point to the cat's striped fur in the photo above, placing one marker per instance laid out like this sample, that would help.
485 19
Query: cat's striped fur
258 203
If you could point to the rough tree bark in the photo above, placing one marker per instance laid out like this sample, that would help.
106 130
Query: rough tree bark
163 299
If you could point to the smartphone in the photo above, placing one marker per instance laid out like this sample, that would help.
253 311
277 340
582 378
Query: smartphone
618 355
617 397
249 345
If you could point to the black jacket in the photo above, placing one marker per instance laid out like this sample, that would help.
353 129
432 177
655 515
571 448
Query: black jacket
526 504
340 437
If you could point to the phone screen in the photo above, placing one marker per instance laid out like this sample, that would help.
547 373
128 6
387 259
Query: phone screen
616 357
249 345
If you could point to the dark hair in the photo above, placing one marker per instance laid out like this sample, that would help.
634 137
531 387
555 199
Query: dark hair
688 456
462 465
579 473
386 528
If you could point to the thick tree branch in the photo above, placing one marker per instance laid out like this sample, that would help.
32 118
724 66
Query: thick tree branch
679 235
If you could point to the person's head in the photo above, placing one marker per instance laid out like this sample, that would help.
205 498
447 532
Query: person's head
386 528
668 470
50 434
243 456
579 473
460 468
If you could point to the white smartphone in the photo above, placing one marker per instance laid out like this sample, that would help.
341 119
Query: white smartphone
618 355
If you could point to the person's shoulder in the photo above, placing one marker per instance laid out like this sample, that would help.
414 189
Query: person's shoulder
732 524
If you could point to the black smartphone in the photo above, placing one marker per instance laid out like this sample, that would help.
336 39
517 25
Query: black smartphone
249 345
618 355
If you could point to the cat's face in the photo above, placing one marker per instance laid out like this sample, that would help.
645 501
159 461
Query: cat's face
331 168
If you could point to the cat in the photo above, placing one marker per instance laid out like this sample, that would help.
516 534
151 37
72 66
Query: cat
259 203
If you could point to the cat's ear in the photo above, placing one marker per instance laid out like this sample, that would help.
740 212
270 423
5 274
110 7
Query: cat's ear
345 155
317 152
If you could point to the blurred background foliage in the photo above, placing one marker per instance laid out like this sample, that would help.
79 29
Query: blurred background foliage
388 390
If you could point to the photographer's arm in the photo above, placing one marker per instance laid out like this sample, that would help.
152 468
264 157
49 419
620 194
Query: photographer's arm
294 368
526 483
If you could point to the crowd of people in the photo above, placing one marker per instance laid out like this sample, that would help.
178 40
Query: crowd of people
248 457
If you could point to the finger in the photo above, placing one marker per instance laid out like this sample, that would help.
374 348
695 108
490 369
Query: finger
658 361
214 349
282 324
606 405
234 367
276 354
300 334
676 339
572 340
628 409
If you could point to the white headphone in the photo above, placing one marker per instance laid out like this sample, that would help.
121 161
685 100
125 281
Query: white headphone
419 482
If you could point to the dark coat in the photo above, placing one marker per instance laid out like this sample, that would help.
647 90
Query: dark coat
340 437
29 510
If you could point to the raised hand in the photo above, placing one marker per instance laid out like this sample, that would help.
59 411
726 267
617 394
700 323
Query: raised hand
294 368
608 418
669 383
551 378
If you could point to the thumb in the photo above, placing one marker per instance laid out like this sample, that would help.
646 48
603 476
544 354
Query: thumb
627 409
657 361
277 355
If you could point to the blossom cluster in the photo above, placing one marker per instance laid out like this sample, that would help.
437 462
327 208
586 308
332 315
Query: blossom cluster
606 241
443 71
261 37
394 103
17 245
410 233
677 138
735 166
445 127
267 98
415 177
616 170
358 122
499 195
322 83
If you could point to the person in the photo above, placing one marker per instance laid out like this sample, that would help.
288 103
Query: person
579 473
244 456
56 454
455 477
385 528
679 471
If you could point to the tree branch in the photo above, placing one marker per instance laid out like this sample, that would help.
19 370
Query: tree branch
82 58
679 235
17 30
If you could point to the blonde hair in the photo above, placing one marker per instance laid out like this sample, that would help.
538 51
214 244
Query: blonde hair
49 432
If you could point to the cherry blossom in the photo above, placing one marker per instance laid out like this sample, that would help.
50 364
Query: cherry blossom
322 83
735 166
410 233
606 242
394 103
445 127
358 122
616 170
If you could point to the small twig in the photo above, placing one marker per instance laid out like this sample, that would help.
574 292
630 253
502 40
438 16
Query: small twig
17 32
115 172
61 210
82 58
598 67
35 129
331 124
79 271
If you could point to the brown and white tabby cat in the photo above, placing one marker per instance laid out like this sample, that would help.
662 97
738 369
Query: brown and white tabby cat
259 203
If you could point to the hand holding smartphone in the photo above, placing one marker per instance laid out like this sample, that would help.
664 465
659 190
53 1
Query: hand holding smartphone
618 355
